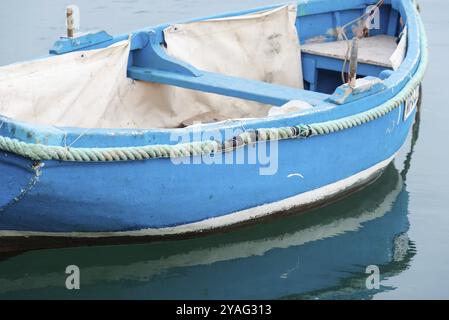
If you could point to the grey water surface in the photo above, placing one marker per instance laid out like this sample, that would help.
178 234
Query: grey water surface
400 223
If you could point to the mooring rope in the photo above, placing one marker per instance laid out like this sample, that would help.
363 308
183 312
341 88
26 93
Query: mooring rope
43 152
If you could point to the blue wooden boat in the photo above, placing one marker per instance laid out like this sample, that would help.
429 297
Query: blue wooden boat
189 127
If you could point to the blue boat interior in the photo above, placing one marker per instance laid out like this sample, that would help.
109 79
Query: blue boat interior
317 22
322 27
322 74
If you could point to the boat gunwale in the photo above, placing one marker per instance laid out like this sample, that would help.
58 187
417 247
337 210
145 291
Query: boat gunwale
113 137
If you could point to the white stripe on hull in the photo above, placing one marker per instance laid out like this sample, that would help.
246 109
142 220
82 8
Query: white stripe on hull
299 200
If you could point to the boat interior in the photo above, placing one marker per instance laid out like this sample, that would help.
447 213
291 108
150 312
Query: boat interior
256 64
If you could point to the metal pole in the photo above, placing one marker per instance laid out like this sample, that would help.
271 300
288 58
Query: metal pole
353 62
70 23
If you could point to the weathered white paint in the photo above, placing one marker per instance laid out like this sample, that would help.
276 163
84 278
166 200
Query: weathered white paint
295 175
302 199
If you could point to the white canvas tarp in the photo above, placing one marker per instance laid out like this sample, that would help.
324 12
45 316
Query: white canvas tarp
398 56
261 46
90 88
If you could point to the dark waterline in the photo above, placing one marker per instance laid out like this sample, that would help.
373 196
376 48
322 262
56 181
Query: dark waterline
400 223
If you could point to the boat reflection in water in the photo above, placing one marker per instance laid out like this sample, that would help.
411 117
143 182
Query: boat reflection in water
322 254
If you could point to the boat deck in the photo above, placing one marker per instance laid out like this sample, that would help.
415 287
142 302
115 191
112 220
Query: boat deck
375 50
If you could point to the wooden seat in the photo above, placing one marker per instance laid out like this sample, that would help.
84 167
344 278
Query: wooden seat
375 50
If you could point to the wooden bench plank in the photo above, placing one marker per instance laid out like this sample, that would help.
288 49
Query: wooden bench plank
375 50
259 91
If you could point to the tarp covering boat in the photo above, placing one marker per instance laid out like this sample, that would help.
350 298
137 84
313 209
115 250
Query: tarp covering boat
90 89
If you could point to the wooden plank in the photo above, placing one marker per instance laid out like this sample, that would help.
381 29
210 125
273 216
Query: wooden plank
259 91
375 50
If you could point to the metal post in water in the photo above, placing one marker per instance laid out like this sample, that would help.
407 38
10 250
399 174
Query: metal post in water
70 23
353 62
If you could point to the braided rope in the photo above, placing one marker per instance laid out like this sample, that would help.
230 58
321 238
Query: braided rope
43 152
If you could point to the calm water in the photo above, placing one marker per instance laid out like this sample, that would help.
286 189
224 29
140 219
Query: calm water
400 223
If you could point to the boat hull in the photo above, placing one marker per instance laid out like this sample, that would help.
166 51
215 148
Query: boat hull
160 198
303 249
17 241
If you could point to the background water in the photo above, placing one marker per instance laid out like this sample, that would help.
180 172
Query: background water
401 223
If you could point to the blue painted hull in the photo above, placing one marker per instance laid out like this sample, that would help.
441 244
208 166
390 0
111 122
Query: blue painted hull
82 198
157 193
339 244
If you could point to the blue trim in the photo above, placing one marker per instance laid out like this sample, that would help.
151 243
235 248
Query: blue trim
152 57
229 86
345 94
64 44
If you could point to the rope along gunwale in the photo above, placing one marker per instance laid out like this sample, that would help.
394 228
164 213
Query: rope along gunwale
43 152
